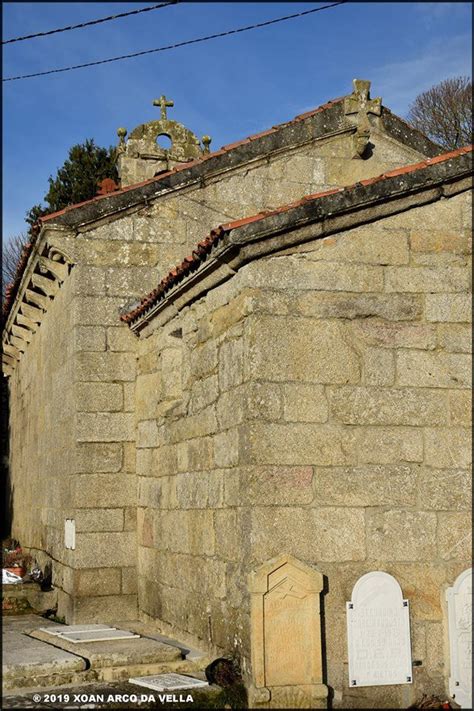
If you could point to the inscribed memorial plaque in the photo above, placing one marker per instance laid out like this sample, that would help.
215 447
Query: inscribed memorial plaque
459 599
378 632
286 635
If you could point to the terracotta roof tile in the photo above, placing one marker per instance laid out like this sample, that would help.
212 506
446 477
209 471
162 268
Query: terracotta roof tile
177 274
206 156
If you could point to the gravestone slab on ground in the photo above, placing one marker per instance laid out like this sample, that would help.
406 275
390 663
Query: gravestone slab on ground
378 632
286 635
459 599
169 682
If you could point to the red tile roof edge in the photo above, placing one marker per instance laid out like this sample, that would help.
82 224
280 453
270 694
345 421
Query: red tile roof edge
224 149
13 287
203 248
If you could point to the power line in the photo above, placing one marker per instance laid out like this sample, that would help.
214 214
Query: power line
178 44
91 22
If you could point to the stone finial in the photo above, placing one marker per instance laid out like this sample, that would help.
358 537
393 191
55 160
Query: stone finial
121 133
163 102
143 156
206 142
359 105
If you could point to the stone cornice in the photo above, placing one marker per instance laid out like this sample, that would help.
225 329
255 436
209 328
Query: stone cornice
46 269
314 217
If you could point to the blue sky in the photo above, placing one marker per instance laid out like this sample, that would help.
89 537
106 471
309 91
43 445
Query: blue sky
228 87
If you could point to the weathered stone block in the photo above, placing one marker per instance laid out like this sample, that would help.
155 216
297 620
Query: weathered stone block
298 272
231 367
104 549
105 609
323 534
89 338
460 407
394 307
204 360
171 359
395 535
149 434
121 338
188 531
448 447
105 427
103 311
389 445
365 486
426 279
301 350
200 491
455 536
455 337
388 406
448 307
378 366
196 454
99 520
263 401
98 397
110 253
93 582
385 334
192 426
148 395
112 367
226 448
369 244
444 489
97 457
269 486
203 393
439 241
296 444
433 370
114 490
304 403
129 581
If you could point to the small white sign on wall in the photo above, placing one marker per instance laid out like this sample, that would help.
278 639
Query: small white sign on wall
459 599
378 632
70 533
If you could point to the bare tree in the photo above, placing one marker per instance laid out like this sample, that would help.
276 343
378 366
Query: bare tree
444 112
11 253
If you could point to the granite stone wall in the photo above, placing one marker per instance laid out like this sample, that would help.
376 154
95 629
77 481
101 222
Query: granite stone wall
315 404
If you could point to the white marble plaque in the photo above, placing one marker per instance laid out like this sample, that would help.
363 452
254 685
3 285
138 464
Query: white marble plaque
96 635
378 632
169 682
459 599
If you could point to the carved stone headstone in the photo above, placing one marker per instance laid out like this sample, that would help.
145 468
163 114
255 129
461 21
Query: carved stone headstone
286 635
378 632
459 599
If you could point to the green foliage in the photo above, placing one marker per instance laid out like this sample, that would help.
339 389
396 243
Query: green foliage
77 180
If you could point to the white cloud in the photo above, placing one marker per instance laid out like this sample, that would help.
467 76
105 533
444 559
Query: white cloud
400 82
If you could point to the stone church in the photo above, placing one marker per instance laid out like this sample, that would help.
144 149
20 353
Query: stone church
239 382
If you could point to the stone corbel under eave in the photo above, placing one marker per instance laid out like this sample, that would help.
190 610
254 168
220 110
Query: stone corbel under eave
42 278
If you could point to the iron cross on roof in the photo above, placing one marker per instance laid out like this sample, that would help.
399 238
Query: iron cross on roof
162 102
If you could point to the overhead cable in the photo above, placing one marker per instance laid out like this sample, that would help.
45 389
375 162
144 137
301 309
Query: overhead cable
91 22
176 45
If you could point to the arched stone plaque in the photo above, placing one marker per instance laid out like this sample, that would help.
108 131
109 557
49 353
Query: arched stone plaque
459 599
286 635
378 632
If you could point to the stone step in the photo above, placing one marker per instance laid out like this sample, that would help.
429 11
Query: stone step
34 658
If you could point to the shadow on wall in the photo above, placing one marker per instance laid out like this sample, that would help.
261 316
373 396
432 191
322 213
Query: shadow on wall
7 489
